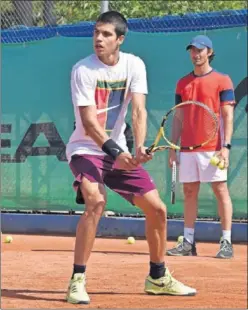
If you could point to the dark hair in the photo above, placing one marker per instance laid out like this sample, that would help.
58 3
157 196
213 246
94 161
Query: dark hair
116 19
211 57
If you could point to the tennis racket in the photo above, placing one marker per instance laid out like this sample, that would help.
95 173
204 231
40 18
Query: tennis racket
173 182
187 126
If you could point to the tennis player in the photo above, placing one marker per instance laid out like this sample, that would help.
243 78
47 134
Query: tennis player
214 89
102 85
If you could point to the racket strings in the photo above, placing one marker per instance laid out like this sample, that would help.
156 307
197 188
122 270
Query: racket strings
190 125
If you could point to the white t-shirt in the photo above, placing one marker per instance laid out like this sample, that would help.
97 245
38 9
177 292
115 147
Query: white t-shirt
110 89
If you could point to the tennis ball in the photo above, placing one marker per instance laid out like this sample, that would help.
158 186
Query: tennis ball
8 239
130 240
214 161
180 239
221 165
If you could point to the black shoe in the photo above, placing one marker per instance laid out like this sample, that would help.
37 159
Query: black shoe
183 248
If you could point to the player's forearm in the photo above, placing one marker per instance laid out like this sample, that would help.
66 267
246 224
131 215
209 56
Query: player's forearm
91 125
227 116
139 121
228 127
96 132
176 130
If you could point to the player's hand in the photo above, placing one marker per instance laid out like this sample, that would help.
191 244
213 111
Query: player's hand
125 161
141 155
172 157
223 155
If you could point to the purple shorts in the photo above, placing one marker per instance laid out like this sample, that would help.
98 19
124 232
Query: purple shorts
100 169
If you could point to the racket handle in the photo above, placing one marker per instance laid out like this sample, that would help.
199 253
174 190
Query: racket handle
173 198
148 151
173 185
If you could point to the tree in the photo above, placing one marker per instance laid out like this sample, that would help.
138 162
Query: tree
139 8
68 12
76 11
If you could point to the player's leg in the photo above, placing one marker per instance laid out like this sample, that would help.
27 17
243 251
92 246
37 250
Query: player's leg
225 212
218 178
137 187
191 191
189 176
224 206
155 228
159 281
86 169
95 200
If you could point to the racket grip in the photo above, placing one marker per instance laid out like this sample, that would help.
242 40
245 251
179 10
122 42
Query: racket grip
173 185
148 151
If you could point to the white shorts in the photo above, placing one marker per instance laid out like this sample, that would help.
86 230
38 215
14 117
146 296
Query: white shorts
196 167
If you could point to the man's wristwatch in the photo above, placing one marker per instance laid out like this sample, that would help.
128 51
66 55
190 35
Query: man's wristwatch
227 145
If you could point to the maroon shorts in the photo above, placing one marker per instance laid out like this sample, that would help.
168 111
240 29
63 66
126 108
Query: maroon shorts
100 169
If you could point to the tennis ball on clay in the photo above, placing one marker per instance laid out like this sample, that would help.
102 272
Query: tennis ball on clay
221 165
8 239
214 161
130 240
180 239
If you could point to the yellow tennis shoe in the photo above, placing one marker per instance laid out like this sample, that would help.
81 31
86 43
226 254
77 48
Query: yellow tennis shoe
167 285
76 293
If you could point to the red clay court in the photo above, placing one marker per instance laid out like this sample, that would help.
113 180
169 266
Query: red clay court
36 271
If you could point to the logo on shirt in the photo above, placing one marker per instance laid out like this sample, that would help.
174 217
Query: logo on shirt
99 111
109 97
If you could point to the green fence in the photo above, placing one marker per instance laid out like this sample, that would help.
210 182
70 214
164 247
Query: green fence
37 117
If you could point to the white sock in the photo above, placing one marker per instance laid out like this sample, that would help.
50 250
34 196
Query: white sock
189 234
227 235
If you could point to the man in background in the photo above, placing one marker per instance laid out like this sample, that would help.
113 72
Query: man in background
214 89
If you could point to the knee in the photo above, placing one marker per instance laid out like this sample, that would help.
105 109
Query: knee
159 213
95 205
153 207
190 191
221 190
